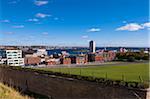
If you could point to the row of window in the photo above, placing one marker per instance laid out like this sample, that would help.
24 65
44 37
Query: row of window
14 60
13 54
13 57
15 63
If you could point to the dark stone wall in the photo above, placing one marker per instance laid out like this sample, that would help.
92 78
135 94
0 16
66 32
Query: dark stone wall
66 88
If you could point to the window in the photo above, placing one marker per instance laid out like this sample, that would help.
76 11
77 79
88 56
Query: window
10 60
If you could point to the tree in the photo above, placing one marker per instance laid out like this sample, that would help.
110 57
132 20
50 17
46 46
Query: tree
131 59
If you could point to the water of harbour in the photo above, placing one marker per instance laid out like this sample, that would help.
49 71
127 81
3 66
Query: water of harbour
76 51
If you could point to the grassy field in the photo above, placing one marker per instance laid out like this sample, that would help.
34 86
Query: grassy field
10 93
129 72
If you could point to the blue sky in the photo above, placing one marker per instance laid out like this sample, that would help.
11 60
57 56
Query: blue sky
74 22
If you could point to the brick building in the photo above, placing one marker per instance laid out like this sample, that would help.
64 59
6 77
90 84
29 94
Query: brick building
91 57
52 61
111 55
102 56
99 58
65 61
80 59
32 60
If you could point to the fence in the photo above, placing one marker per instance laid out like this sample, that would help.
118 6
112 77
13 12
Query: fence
81 74
107 75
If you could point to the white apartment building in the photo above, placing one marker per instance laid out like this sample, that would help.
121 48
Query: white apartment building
41 52
14 58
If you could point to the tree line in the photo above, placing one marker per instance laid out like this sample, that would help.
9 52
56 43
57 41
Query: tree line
132 56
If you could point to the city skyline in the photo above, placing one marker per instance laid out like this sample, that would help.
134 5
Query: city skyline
74 22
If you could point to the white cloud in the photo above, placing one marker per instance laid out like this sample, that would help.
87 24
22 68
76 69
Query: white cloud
40 3
9 33
56 18
31 37
33 20
84 36
130 27
124 21
41 15
14 2
18 26
38 23
45 33
146 25
4 21
94 30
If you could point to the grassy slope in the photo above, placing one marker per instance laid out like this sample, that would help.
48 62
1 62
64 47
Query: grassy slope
130 72
9 93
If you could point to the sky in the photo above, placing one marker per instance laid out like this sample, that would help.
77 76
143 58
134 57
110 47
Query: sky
75 22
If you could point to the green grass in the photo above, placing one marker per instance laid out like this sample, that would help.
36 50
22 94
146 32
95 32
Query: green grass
129 72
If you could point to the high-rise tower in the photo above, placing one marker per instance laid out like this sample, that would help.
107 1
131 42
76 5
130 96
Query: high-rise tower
92 46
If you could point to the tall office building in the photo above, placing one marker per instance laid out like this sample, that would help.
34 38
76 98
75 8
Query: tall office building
92 46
